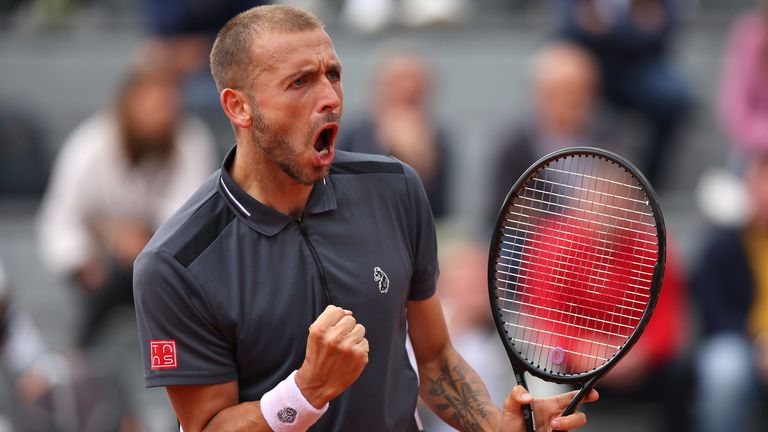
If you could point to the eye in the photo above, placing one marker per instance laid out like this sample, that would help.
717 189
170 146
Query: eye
333 75
298 82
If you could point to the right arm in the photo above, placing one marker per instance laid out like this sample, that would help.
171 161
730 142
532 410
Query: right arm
336 354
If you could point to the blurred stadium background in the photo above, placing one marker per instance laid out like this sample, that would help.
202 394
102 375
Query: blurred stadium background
61 60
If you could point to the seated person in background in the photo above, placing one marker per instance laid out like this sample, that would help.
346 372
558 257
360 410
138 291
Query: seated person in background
655 370
630 40
743 98
730 286
401 125
564 82
118 176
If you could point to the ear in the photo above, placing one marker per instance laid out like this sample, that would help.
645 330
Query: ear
237 107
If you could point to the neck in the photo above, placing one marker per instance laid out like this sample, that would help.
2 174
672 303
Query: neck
262 179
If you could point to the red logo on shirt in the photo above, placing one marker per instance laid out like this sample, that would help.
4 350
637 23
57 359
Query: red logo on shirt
162 354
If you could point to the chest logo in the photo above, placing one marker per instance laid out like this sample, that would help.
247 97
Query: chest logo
382 279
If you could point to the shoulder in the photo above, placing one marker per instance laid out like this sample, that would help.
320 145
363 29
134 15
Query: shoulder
378 171
93 138
349 163
193 129
194 226
361 175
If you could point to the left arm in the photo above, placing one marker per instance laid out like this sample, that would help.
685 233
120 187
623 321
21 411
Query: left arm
455 392
450 387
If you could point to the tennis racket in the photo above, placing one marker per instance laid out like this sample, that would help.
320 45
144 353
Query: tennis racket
575 267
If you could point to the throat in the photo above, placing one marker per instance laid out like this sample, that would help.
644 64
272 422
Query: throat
270 185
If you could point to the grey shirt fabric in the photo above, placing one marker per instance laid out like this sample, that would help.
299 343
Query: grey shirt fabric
237 284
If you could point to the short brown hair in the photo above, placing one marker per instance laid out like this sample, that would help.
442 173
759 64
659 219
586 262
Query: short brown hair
231 55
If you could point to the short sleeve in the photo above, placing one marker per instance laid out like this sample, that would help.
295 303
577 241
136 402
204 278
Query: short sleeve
423 239
180 340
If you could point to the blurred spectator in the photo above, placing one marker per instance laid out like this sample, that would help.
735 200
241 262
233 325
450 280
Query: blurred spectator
631 41
656 369
182 31
463 290
22 358
23 159
180 37
401 124
565 84
375 15
118 176
44 391
744 83
730 286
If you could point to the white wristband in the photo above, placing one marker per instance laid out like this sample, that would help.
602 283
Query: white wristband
287 410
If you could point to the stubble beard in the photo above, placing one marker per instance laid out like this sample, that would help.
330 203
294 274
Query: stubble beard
280 151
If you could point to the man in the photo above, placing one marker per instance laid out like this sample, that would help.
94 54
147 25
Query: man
290 236
730 287
401 124
564 83
118 176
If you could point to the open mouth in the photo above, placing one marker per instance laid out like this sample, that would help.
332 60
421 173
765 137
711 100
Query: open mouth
325 140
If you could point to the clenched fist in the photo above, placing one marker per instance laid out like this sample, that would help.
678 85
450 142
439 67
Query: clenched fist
337 352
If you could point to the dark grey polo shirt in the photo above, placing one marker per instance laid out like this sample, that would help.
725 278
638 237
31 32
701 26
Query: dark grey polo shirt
227 288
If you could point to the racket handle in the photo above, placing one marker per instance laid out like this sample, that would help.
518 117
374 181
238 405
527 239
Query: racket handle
530 422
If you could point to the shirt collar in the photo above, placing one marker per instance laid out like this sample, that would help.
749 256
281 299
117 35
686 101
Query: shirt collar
262 218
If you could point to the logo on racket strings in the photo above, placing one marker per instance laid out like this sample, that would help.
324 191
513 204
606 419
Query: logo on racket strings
557 357
382 279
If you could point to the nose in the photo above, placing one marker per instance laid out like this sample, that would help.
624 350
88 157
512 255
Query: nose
331 96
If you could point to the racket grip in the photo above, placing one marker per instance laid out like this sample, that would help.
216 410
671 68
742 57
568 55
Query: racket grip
530 422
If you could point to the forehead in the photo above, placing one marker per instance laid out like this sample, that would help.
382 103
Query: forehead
285 53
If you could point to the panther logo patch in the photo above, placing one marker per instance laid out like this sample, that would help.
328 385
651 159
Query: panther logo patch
381 277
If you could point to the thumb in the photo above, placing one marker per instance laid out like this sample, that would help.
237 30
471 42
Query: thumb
512 418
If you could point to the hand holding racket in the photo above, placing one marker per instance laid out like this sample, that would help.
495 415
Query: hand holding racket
575 267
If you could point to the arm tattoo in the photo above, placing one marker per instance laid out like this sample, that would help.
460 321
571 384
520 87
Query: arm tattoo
458 395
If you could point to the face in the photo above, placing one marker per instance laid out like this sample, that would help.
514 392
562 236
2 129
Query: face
297 102
565 96
405 81
152 110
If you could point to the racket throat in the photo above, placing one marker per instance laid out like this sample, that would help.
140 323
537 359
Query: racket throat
588 386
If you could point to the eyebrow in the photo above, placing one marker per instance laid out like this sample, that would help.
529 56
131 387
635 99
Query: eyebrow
306 70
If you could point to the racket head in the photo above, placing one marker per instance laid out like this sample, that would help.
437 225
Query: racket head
562 317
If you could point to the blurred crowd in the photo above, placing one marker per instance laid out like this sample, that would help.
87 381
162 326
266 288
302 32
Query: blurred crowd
606 73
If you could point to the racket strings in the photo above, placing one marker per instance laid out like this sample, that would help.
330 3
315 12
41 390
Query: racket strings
575 264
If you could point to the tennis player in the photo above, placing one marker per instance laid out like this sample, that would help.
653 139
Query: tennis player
280 295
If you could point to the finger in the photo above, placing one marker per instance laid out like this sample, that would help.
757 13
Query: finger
363 344
345 324
357 334
591 396
330 316
564 399
573 421
512 418
518 397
